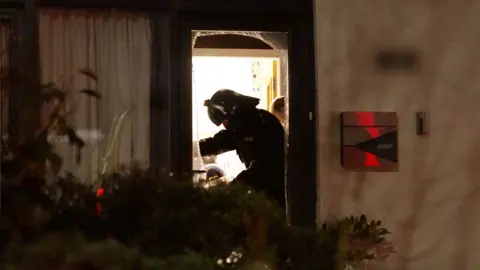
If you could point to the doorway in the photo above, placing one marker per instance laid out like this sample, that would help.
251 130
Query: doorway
301 188
251 72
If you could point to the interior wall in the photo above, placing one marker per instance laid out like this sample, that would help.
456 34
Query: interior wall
430 205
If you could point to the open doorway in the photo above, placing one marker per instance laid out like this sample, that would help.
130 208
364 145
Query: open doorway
249 72
251 68
292 36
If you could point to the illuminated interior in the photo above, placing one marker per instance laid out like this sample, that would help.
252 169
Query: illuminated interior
253 76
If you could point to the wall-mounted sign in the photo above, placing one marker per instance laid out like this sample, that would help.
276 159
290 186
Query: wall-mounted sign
369 141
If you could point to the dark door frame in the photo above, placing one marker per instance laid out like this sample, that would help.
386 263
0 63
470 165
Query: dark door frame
22 60
13 16
301 155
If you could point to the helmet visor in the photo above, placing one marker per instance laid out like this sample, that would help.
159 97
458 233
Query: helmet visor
216 116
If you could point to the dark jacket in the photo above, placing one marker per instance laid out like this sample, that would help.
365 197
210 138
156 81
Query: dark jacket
259 139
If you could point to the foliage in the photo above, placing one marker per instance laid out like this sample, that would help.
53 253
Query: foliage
359 241
199 216
27 151
73 252
349 241
142 221
167 219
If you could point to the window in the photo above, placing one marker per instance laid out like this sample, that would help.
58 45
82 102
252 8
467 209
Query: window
116 46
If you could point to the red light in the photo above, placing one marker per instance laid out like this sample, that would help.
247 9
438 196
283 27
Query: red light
99 205
368 119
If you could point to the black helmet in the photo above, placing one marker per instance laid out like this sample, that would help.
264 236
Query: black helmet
224 101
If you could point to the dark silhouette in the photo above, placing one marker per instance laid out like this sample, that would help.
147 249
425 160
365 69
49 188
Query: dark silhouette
256 135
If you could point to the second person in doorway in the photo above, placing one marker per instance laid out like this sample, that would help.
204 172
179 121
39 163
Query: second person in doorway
278 109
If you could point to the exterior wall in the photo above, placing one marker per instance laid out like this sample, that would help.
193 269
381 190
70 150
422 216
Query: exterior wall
431 204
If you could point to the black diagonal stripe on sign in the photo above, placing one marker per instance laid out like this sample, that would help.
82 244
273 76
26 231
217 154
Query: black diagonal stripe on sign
384 146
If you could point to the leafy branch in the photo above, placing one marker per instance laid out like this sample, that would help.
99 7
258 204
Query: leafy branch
27 153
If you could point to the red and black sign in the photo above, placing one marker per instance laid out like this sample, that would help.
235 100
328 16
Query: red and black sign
369 141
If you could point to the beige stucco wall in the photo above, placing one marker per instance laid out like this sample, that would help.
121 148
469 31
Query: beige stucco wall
432 205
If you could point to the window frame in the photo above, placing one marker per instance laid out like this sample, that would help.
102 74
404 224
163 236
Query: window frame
16 15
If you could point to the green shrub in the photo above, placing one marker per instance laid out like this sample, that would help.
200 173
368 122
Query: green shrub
73 252
157 220
170 216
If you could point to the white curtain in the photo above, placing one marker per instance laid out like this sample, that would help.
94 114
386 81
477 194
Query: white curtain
117 47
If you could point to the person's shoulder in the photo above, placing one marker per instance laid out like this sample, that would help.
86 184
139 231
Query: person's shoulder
265 113
269 118
256 116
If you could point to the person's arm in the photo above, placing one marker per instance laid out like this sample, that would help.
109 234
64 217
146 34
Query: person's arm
220 143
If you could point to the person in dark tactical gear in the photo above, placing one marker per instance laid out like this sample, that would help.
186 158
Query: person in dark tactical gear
256 135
